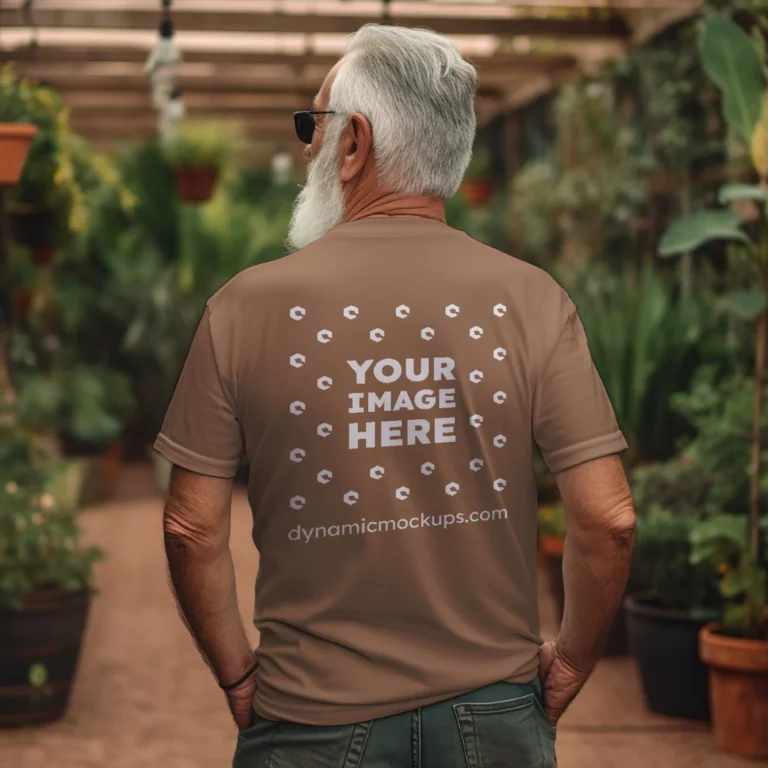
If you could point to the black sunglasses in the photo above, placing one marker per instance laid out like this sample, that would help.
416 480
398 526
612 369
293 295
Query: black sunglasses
305 123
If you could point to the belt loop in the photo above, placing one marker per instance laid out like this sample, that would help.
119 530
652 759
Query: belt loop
416 738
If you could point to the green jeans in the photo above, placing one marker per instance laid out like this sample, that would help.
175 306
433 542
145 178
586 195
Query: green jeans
499 726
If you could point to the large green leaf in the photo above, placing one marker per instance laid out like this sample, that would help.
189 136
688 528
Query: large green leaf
726 528
732 193
692 231
746 304
731 60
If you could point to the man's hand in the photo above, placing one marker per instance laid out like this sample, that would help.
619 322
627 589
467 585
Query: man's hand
240 702
560 680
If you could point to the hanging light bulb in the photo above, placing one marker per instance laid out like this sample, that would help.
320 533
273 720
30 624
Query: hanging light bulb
164 62
282 166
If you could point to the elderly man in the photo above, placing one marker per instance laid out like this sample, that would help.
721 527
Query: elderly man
388 382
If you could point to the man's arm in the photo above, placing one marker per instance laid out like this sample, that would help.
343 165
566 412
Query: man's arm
600 526
196 524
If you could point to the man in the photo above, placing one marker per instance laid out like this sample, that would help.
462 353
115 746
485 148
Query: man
387 383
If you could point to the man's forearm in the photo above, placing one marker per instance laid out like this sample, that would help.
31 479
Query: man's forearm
596 566
204 583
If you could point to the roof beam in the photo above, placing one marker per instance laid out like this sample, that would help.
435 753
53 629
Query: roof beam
47 54
70 79
508 21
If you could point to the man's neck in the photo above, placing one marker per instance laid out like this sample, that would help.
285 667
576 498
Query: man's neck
379 205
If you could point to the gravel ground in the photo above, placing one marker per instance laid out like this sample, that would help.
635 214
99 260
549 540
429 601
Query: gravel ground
143 698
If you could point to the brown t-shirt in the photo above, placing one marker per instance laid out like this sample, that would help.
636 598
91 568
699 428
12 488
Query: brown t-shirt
387 385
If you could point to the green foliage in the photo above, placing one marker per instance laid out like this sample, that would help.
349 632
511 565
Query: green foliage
535 211
487 224
728 445
733 63
82 403
581 202
644 339
552 519
205 144
131 290
661 564
39 536
479 166
60 169
747 305
692 231
724 542
734 193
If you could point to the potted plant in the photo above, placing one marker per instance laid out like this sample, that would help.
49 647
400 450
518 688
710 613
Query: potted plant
670 602
45 581
477 188
736 650
15 138
198 153
88 406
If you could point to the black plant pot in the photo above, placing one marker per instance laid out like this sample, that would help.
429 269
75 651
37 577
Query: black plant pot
48 632
665 644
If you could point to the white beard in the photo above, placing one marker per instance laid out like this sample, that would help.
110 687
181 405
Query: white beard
319 206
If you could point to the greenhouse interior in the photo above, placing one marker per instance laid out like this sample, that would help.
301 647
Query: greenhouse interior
149 154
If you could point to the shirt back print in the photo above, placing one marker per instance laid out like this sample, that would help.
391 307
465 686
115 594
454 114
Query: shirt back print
387 386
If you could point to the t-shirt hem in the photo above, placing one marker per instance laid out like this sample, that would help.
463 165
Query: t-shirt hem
337 715
605 445
194 462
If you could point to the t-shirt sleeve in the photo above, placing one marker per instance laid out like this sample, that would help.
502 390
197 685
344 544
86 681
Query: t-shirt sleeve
573 419
200 431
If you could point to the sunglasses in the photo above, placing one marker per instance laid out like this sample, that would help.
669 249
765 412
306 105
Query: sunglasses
305 123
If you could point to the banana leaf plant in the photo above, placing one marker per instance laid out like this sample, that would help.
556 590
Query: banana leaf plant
734 61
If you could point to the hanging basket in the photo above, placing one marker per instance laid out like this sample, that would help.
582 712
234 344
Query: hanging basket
15 139
477 191
195 184
38 229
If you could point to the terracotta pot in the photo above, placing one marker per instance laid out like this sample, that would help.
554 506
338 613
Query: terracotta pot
738 684
46 634
477 191
551 545
195 184
15 139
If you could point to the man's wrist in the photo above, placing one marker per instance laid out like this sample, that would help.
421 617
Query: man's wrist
232 685
565 652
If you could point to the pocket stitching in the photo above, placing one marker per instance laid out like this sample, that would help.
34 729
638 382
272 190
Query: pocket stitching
367 727
508 705
458 711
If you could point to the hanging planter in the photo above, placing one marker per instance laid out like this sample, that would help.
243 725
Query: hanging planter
195 184
477 192
15 139
38 229
197 154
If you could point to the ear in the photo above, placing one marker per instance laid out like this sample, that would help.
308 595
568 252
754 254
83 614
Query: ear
355 147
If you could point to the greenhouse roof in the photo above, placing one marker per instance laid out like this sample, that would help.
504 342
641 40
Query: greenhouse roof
258 60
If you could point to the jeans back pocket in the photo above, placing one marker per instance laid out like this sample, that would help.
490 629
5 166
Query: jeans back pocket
504 734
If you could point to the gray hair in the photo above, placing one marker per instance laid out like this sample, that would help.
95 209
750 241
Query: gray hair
418 94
